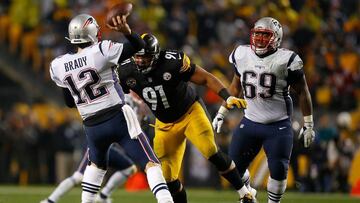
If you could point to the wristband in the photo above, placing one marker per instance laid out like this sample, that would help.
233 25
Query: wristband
223 110
224 94
308 119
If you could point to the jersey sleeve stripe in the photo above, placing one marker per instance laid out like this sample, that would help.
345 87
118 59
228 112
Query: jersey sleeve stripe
236 71
292 57
186 64
233 57
51 70
100 47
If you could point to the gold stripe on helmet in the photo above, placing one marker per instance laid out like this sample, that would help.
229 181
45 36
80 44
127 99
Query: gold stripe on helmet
143 35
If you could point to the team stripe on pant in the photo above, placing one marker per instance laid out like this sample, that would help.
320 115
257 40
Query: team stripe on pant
88 187
147 148
83 162
158 187
274 197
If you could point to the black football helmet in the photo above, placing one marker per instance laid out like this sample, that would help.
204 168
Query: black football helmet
146 57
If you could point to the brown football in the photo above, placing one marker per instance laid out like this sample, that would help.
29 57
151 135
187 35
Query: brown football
123 8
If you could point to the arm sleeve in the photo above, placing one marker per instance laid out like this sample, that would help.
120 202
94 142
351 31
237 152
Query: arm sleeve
111 50
295 69
54 78
134 44
122 75
69 100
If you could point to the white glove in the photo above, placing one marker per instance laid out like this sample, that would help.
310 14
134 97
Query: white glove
219 119
307 132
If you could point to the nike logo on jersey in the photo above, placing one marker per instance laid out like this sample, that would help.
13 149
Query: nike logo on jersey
75 64
282 128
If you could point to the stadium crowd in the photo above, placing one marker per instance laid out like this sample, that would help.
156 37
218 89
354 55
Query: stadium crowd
326 35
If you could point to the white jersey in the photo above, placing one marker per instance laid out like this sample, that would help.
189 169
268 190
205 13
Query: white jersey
265 82
90 76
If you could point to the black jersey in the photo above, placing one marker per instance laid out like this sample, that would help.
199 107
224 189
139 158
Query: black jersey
165 89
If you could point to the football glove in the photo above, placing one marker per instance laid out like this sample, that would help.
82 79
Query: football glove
234 101
219 119
307 132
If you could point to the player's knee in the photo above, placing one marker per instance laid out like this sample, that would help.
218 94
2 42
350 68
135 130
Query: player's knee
77 177
278 169
151 164
222 161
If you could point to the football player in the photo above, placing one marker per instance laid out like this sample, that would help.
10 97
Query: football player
264 72
89 82
160 78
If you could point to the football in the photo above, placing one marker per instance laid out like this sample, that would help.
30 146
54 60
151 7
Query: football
123 8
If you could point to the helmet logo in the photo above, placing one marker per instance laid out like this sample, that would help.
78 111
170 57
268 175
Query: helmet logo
87 22
131 82
167 76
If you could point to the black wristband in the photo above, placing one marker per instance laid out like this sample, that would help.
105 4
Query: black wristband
223 93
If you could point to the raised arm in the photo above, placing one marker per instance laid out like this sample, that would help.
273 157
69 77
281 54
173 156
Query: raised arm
134 43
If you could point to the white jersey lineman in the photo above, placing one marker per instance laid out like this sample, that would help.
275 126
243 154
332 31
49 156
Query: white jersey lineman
265 82
90 76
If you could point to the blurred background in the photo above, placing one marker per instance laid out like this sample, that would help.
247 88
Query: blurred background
41 140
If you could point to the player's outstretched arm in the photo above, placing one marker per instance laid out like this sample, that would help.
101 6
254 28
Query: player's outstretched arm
307 133
202 77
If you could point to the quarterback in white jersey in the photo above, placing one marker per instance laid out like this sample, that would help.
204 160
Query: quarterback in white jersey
89 82
90 77
264 74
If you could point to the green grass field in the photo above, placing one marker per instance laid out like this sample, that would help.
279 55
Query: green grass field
33 194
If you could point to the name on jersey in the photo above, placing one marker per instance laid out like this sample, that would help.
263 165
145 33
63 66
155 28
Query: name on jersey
75 64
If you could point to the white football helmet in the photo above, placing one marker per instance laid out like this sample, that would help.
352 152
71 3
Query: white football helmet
83 28
261 44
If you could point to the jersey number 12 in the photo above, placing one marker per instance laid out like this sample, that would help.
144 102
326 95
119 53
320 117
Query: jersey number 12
92 78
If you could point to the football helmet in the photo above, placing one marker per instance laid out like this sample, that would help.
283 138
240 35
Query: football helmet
83 28
266 35
146 57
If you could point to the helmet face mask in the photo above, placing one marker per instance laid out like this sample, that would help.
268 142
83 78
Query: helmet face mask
145 62
83 28
266 35
146 58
